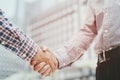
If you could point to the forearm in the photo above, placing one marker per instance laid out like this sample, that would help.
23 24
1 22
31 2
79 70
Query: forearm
14 39
73 50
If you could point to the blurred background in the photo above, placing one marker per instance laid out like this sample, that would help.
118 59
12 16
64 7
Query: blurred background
48 22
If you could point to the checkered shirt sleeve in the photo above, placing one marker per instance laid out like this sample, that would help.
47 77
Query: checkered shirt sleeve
14 39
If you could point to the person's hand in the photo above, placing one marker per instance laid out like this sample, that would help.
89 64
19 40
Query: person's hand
45 62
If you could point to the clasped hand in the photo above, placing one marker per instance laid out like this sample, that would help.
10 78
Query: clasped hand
44 62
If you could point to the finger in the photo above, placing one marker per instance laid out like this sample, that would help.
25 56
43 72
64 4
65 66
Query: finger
51 61
39 66
52 66
51 72
44 69
54 59
44 48
46 73
33 63
50 53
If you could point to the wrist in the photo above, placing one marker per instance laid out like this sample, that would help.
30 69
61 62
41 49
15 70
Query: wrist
36 57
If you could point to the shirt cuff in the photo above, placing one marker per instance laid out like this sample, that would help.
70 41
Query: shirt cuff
64 57
28 50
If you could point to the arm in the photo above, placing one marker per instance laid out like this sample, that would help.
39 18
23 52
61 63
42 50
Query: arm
14 39
75 48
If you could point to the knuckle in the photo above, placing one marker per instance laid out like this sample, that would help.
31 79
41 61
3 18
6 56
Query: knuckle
35 68
42 64
47 66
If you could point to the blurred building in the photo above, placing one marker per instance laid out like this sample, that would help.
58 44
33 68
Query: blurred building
57 25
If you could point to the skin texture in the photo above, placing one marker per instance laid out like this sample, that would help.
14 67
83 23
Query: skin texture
44 62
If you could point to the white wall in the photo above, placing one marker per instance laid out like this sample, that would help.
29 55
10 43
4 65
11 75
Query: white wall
8 7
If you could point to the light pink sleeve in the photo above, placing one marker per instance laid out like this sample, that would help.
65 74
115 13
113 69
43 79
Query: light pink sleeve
75 48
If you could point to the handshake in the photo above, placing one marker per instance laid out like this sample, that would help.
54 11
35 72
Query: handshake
44 62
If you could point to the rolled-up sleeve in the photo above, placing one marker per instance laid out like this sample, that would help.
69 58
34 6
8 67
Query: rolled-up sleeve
77 46
14 39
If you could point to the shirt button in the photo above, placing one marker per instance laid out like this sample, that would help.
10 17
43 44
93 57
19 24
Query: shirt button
24 55
3 43
110 48
106 31
64 64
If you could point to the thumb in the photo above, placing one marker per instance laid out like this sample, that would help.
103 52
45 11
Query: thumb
33 63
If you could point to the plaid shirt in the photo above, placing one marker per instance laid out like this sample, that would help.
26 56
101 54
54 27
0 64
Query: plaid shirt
14 39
